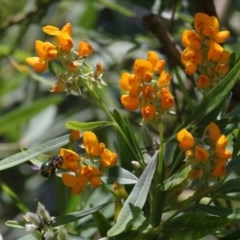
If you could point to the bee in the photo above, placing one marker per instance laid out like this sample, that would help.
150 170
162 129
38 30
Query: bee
49 167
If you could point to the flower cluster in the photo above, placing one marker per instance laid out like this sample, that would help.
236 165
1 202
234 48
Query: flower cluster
42 222
61 50
88 166
144 90
203 53
207 156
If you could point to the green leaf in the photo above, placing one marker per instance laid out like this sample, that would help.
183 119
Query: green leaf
214 99
24 156
230 186
136 199
193 226
120 175
17 201
29 237
176 179
75 125
214 210
102 223
117 7
25 112
72 217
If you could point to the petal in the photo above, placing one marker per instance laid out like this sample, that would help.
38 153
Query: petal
108 158
69 180
130 103
38 64
84 49
51 30
221 37
148 112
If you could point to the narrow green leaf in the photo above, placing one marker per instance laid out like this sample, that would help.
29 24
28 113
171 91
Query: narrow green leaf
15 224
24 156
214 210
230 186
23 113
75 125
5 188
121 175
193 226
102 223
72 217
215 98
176 179
117 7
136 199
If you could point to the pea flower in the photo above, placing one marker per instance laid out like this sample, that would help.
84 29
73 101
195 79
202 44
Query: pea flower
208 155
203 53
152 96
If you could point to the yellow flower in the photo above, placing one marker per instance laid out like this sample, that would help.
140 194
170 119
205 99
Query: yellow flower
62 37
220 149
157 64
129 82
143 70
215 51
186 140
84 49
45 50
91 144
108 158
191 39
201 154
164 79
70 159
37 63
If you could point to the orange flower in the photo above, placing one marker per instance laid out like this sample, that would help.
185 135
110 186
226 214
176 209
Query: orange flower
186 140
157 64
203 81
129 82
63 36
166 99
219 170
164 79
143 70
148 92
45 50
84 175
148 112
191 39
91 144
84 49
212 132
70 159
210 27
215 51
196 173
38 64
220 149
201 154
108 158
130 103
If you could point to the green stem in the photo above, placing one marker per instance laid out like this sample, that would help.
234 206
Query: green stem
158 196
114 122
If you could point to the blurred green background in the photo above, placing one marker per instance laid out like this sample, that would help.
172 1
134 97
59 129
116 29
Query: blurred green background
30 114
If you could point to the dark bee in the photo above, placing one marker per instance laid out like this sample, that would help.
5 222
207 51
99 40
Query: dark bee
49 167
